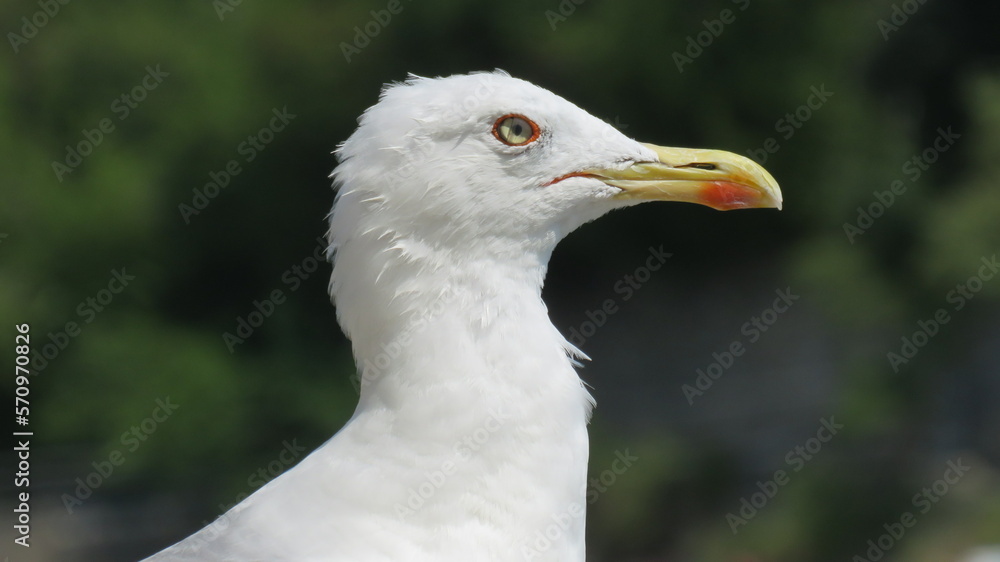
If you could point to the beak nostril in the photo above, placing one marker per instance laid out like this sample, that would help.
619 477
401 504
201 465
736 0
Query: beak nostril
700 166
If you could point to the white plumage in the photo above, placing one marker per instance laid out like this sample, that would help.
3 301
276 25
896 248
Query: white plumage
469 440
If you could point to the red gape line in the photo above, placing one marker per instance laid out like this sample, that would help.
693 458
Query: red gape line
569 175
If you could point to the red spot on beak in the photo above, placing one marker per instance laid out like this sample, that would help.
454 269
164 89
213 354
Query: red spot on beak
725 196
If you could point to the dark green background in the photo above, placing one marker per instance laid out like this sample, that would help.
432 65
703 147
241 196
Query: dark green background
227 70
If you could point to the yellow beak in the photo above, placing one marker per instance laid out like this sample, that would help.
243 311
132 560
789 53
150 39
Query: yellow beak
716 178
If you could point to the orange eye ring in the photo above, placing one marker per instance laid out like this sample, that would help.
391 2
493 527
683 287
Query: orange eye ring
510 129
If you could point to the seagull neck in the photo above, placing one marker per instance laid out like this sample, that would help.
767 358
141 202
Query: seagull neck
431 322
462 371
450 313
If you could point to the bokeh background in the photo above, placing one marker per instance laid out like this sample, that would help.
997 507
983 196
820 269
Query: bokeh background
866 266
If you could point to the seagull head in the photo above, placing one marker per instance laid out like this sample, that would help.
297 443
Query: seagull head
467 158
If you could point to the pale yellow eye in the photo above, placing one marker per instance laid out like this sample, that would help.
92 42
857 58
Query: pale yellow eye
515 130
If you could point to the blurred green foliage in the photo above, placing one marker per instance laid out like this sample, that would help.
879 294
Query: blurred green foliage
195 276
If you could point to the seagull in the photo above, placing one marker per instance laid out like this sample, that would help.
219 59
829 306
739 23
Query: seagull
469 442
